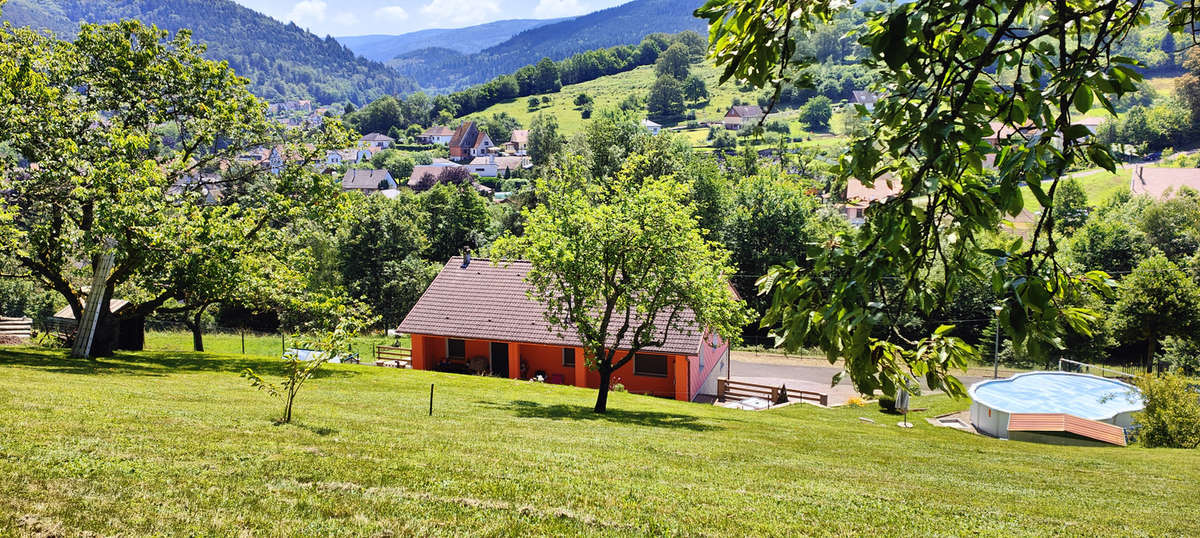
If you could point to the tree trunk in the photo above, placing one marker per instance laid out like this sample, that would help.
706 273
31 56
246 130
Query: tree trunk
602 396
1150 345
197 328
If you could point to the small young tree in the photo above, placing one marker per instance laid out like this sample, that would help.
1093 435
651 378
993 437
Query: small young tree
1171 417
620 263
817 112
332 340
544 140
1070 206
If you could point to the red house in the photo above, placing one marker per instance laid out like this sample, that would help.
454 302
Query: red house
477 318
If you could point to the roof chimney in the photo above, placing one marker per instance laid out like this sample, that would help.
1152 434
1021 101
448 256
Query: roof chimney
466 260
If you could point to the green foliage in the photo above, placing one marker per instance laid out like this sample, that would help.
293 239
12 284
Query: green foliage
544 140
1182 354
1109 244
665 102
694 89
816 113
328 343
1154 301
1070 206
397 163
673 62
618 261
458 220
1173 226
1172 414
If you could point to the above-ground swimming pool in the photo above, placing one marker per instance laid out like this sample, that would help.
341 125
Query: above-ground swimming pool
1085 396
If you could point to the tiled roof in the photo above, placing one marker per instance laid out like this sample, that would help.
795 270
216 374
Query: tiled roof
490 302
420 170
745 111
464 136
438 130
857 192
376 137
365 179
520 136
864 97
510 162
1161 183
114 306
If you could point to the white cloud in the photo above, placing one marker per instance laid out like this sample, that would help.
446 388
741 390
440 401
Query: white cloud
308 11
392 13
345 19
552 9
461 12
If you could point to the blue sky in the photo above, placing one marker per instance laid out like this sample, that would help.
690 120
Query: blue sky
341 17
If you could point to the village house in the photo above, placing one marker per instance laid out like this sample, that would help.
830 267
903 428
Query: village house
367 181
742 116
375 142
519 142
476 317
438 134
468 142
859 197
493 166
651 126
1163 183
865 98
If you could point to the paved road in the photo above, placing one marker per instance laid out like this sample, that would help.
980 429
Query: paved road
805 377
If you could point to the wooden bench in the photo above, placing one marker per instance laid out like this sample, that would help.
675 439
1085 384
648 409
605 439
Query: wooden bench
740 390
393 357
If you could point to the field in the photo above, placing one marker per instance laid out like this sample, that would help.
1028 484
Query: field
1099 185
266 345
177 443
609 91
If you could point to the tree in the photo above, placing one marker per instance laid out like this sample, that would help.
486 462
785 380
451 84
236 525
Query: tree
544 140
380 255
1171 416
1109 245
1173 226
582 99
395 162
622 266
458 220
816 113
665 101
546 79
673 62
1071 206
1187 86
1154 301
694 89
92 180
942 64
333 339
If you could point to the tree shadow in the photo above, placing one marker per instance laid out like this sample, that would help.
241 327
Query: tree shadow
528 409
149 363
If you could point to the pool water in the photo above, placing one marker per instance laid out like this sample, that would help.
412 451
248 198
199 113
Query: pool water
1081 395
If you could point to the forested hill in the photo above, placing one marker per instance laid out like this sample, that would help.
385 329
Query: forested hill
464 40
281 60
440 69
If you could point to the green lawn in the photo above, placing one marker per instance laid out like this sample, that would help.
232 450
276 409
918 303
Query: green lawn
176 443
1099 187
255 344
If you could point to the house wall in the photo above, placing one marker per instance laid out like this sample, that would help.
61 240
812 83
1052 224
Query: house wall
712 361
429 350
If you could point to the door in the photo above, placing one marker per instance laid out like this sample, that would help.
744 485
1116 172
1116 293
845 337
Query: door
500 359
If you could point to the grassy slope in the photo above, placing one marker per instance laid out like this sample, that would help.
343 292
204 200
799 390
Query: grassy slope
609 91
158 443
256 344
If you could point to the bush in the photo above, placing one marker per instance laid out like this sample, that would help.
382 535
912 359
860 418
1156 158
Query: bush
1182 354
1172 414
888 404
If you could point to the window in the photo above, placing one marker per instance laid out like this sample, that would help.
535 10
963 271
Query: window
569 356
456 349
650 365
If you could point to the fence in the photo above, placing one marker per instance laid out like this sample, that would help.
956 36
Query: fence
393 356
1067 365
774 395
174 336
20 328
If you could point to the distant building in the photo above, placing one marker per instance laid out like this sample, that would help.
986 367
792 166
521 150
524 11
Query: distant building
425 176
1163 183
376 141
493 166
651 126
438 134
742 116
865 98
859 197
468 142
367 181
519 142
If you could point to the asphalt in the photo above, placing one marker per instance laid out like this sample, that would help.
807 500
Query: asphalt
804 377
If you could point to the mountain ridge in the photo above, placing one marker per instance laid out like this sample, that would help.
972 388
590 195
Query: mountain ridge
465 40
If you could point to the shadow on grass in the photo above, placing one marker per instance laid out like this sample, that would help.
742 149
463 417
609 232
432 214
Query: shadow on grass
148 363
528 409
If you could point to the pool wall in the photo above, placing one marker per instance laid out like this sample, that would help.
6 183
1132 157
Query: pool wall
993 420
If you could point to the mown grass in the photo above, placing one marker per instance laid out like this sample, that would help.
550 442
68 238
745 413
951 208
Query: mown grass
177 443
266 345
1099 185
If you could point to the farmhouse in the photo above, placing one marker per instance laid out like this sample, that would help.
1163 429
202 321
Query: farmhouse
493 166
865 98
519 142
651 126
859 197
438 134
1163 183
469 142
741 116
376 141
477 317
367 181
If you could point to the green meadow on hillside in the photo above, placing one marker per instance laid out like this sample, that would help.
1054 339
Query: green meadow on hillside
177 443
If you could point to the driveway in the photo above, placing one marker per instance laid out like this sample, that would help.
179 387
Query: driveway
800 373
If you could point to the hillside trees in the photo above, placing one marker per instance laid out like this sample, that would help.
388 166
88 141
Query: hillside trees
90 180
816 113
665 102
942 63
1156 300
673 62
619 264
457 219
544 140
